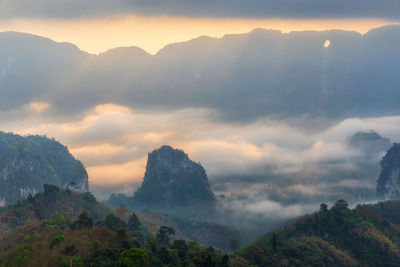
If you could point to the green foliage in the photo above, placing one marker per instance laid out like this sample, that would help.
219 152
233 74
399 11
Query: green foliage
56 240
58 220
57 204
27 238
134 257
100 246
339 236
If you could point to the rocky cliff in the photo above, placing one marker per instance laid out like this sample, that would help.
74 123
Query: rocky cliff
27 163
173 180
389 178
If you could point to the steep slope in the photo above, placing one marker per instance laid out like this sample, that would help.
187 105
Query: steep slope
335 237
27 163
389 179
172 180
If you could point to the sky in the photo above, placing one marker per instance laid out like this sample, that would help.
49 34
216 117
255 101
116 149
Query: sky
97 26
272 110
151 33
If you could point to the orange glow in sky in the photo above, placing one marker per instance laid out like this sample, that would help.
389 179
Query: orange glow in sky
153 33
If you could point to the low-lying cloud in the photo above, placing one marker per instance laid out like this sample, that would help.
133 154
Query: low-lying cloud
113 141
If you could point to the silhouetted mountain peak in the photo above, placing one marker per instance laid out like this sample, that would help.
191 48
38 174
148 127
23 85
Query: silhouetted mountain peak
173 180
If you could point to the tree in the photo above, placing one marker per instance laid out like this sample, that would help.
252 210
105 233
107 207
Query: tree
341 204
133 257
323 208
274 241
182 248
134 223
163 235
225 261
83 221
56 240
113 222
234 245
70 250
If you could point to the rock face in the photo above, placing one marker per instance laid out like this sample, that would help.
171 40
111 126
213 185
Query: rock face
389 178
369 142
27 163
172 180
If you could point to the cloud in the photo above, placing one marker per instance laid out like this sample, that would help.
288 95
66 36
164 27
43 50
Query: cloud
113 137
272 169
63 9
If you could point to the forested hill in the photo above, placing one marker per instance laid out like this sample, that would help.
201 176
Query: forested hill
49 203
59 227
367 235
29 162
57 202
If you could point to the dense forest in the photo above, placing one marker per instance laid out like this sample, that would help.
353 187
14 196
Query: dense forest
368 235
60 227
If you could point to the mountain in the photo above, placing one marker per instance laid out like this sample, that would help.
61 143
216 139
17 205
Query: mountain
389 179
243 76
172 180
369 142
32 66
366 235
27 163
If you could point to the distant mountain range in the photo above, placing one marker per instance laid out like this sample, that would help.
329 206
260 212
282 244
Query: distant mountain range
243 76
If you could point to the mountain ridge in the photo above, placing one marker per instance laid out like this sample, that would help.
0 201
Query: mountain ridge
241 76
